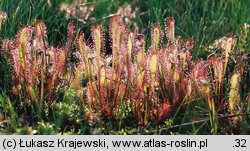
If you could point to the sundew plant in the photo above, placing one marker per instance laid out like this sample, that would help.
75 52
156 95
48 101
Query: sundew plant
110 78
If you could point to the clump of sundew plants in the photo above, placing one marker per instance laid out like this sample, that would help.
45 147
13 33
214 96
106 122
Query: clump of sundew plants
79 87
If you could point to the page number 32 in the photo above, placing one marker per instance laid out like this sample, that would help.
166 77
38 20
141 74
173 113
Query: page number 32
240 143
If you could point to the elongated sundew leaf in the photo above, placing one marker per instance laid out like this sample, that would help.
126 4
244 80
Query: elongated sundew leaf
128 58
91 95
16 62
40 35
183 58
98 41
234 98
176 75
170 29
127 47
130 45
140 48
153 63
153 69
59 60
217 64
21 48
188 90
117 31
24 60
101 81
118 44
113 28
156 36
39 43
81 45
218 68
102 75
114 23
24 52
43 75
